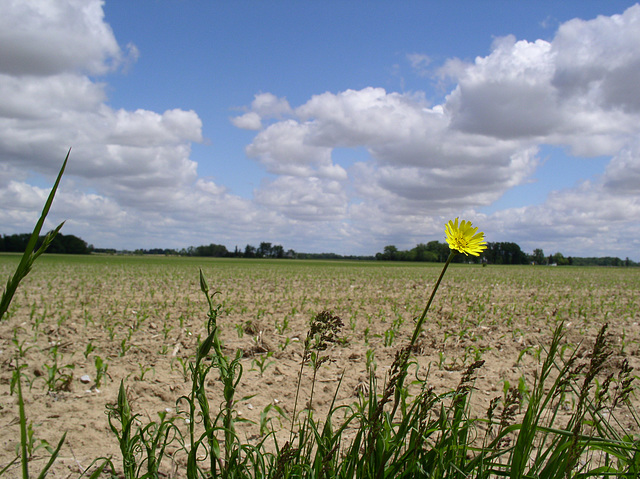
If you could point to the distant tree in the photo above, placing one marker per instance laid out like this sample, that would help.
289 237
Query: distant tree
16 243
214 250
390 253
61 244
249 251
538 256
422 253
440 249
505 253
433 251
560 260
264 250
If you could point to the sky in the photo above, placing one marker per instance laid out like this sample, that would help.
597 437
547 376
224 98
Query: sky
323 126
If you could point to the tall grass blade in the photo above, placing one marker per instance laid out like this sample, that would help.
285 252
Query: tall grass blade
52 459
30 253
24 459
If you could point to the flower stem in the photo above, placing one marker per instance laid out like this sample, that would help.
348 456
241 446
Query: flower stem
418 328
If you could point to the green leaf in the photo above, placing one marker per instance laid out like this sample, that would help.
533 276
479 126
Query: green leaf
53 457
28 257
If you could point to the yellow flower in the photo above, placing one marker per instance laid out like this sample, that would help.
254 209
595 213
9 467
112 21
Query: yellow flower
464 238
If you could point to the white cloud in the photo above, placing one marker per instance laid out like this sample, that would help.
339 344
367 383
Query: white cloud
464 154
494 92
306 199
284 150
42 37
136 158
47 98
600 59
368 116
248 121
622 175
265 106
419 162
580 90
143 128
587 220
130 175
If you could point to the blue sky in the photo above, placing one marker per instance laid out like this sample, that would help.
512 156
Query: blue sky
324 126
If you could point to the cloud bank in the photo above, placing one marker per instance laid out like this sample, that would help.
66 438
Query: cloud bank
580 92
347 171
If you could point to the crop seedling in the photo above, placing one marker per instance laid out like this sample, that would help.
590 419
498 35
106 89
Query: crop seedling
240 330
101 370
262 361
143 371
89 349
57 377
21 347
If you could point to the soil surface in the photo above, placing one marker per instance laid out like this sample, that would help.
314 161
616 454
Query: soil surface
144 317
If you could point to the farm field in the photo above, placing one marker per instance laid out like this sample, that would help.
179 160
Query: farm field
140 319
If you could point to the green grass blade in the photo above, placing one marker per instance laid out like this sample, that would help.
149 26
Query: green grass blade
23 427
29 255
6 468
52 459
45 211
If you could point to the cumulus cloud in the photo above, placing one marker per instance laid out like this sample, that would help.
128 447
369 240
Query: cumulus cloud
248 121
306 199
418 160
600 59
130 176
41 37
622 175
493 93
579 91
265 106
284 150
588 220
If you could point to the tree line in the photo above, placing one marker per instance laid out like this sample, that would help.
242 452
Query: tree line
495 253
61 244
437 252
433 251
264 250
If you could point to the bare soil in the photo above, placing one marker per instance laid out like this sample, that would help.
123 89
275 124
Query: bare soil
144 318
